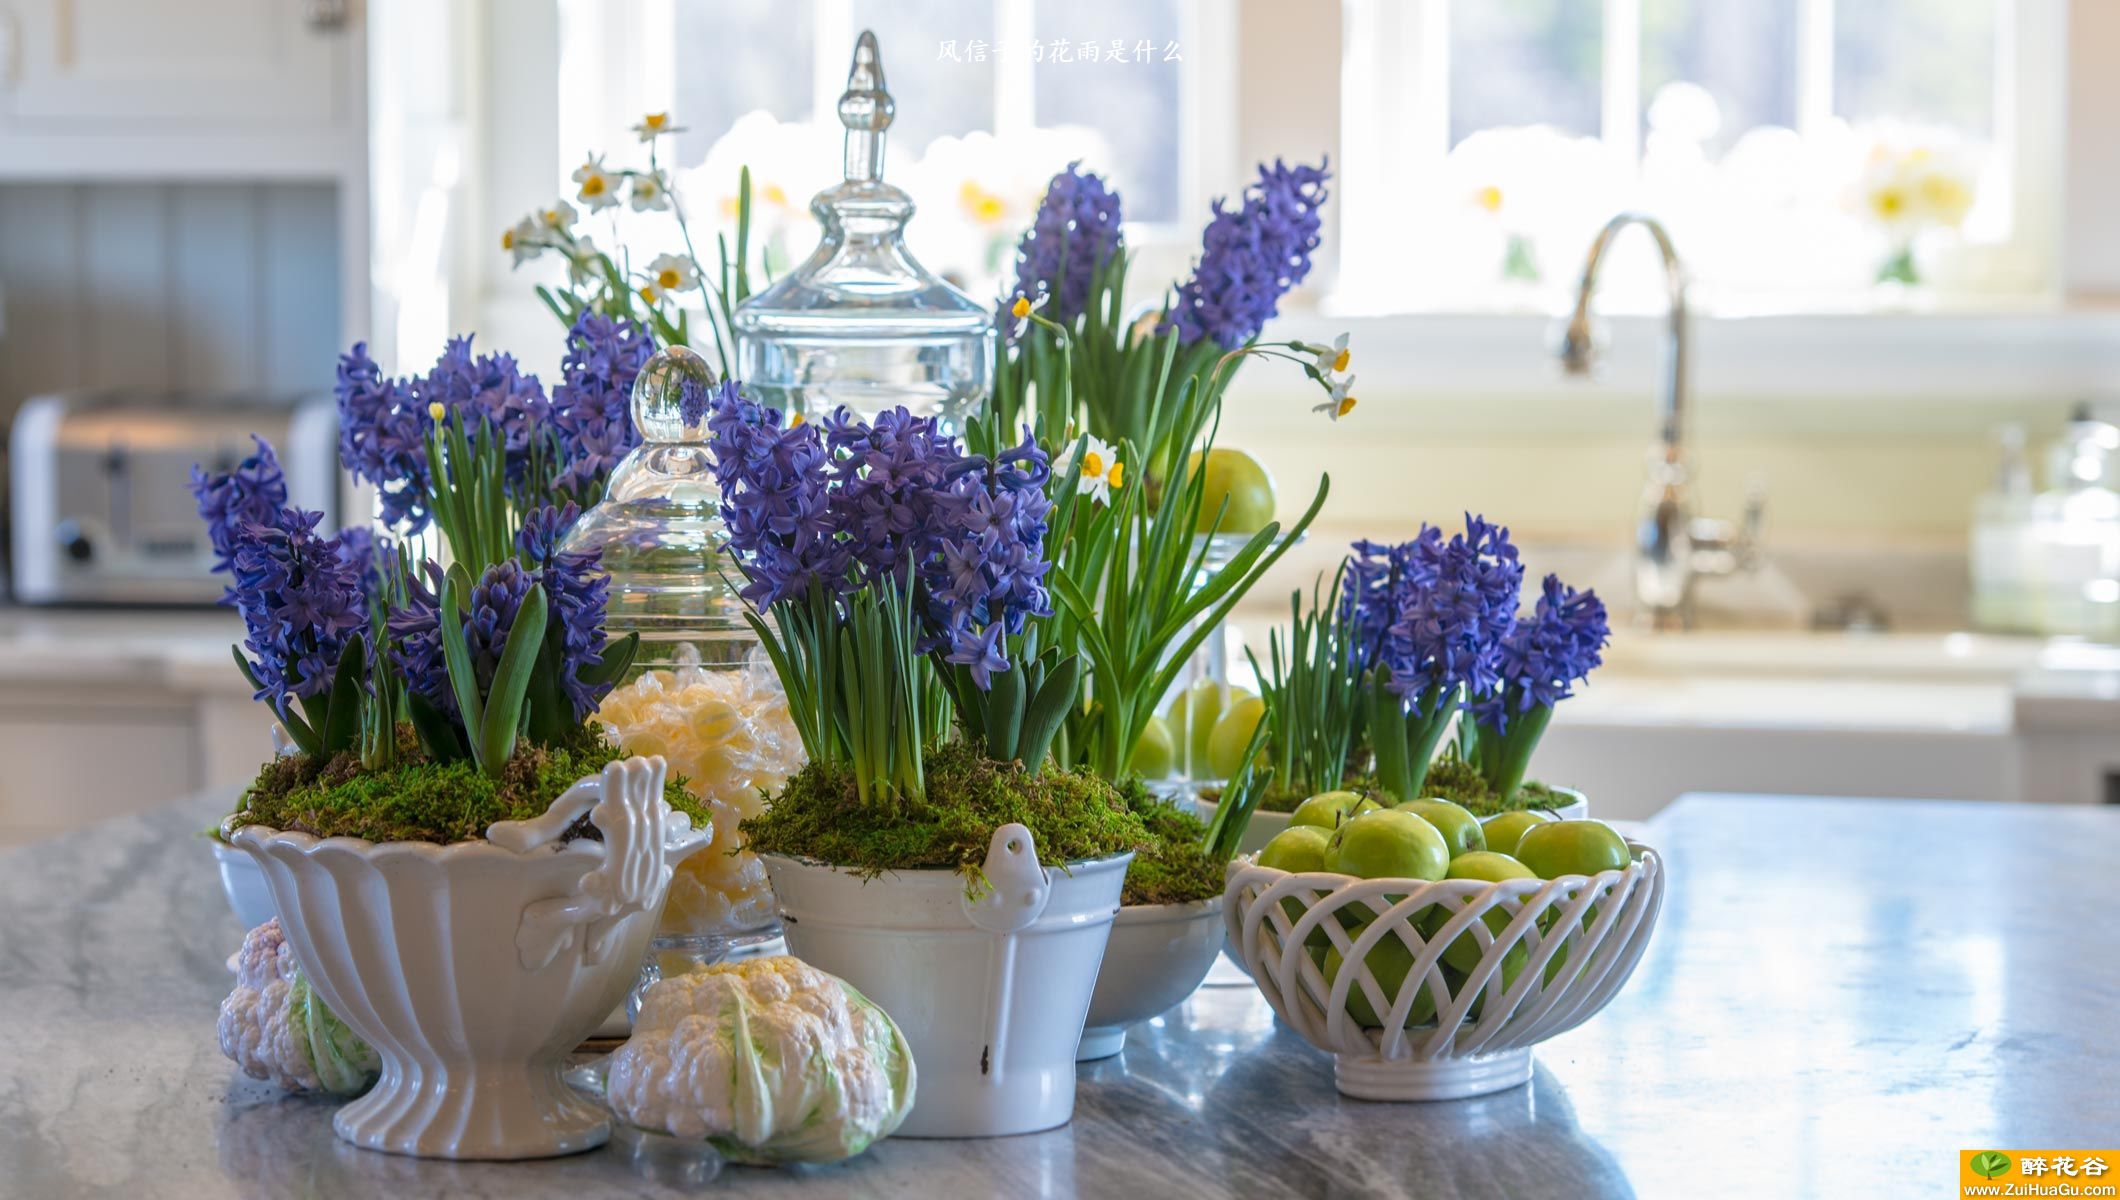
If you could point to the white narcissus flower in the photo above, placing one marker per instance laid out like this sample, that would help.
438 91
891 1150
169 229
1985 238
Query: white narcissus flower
596 188
1102 472
1331 358
521 242
1341 401
559 218
673 273
651 190
655 125
652 294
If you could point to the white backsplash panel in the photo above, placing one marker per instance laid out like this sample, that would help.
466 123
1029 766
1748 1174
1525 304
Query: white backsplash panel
188 287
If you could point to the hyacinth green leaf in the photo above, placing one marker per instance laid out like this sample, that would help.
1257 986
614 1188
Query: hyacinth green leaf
463 677
304 736
1055 698
1004 712
342 717
511 684
243 665
437 733
617 659
548 713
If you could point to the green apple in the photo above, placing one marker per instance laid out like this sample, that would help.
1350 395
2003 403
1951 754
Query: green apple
1295 849
1156 753
1559 848
1388 963
1503 829
1225 747
1456 823
1485 865
1192 719
1327 809
1388 844
1513 964
1237 477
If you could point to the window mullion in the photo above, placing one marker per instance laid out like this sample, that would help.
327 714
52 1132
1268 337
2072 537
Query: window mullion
1015 91
1620 127
1814 66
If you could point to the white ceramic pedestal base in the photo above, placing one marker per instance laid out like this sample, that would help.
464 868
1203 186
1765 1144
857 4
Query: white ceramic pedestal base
1101 1041
476 1113
1431 1079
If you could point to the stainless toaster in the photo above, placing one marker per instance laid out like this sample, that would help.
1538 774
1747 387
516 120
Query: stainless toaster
99 484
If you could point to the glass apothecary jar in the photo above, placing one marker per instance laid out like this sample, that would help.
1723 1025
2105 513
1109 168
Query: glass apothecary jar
861 323
701 692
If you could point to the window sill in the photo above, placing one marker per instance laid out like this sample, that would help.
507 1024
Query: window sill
2000 350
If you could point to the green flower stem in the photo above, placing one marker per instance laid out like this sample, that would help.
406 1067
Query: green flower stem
1404 741
1503 758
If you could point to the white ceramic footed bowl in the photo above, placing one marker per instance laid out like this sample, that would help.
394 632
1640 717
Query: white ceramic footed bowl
475 968
1553 953
1157 956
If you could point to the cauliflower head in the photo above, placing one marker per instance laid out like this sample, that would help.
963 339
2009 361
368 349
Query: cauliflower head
770 1059
276 1028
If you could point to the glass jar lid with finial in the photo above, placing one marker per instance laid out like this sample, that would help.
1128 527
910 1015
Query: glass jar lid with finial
861 323
659 531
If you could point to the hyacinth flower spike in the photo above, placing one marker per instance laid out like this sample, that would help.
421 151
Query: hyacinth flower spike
1540 661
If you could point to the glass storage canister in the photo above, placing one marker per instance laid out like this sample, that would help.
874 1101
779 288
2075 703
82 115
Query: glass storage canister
701 693
861 323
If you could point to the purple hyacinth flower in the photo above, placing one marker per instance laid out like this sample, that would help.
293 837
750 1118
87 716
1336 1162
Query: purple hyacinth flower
252 491
301 599
1076 232
1251 256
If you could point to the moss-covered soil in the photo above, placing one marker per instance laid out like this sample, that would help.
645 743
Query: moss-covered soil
422 801
819 815
1450 778
1170 867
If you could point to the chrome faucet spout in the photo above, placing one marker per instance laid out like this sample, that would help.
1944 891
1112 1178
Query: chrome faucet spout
1671 548
1578 346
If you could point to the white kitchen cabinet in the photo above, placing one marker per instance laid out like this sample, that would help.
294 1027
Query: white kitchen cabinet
180 88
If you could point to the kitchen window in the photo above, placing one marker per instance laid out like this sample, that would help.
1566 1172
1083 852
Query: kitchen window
993 96
1807 155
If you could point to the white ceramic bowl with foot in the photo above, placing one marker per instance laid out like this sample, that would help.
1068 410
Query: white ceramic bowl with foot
1550 954
475 968
1157 956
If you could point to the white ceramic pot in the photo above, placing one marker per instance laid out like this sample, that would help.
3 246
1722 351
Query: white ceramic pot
990 992
1550 954
475 968
244 884
1157 956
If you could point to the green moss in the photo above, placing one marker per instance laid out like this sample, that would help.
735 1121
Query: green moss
422 801
1169 867
1072 815
1450 778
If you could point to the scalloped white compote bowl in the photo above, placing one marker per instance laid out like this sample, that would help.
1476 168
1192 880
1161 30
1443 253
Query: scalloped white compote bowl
1551 953
475 968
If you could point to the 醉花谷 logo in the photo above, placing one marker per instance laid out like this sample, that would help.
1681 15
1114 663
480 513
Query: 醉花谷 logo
1990 1163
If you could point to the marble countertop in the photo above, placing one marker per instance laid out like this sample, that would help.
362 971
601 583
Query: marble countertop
1842 995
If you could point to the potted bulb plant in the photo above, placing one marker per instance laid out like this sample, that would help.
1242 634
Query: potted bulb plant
931 853
1154 545
466 871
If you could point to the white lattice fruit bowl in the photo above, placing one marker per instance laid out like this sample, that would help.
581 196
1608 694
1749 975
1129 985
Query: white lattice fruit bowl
1479 1039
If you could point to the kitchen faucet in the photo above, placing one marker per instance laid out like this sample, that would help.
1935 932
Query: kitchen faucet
1672 547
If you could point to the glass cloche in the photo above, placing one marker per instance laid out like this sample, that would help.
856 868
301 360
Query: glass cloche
861 323
701 692
659 528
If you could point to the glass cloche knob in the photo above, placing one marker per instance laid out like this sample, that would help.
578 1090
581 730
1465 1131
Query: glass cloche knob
670 396
861 323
